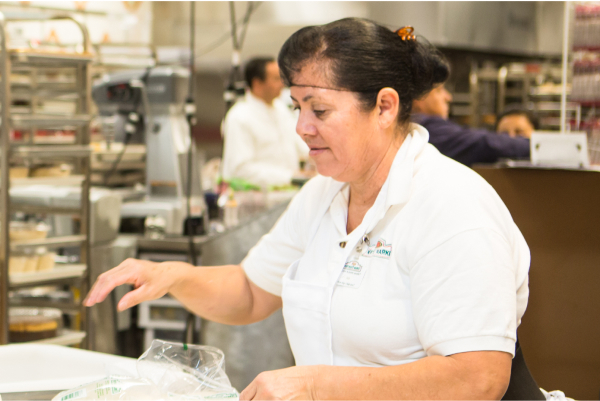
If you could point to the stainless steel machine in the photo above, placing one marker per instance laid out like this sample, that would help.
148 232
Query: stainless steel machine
148 107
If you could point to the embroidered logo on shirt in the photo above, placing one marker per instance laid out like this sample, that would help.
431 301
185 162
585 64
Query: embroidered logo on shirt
379 250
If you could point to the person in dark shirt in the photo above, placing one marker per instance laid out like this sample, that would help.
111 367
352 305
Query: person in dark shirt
463 144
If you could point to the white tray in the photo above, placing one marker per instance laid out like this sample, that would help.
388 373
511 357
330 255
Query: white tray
44 367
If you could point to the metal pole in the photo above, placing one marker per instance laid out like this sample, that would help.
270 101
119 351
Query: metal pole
192 47
565 60
502 73
5 185
84 76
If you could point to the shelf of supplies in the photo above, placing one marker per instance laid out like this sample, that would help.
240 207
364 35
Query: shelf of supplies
67 337
53 242
50 151
49 120
65 307
44 209
59 274
126 165
67 181
48 58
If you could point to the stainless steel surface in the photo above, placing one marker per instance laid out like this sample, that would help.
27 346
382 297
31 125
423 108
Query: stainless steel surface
246 231
105 321
527 26
171 244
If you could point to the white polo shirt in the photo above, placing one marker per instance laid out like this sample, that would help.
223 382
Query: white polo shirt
260 142
446 270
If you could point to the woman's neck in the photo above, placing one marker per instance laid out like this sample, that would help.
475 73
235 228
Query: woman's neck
364 191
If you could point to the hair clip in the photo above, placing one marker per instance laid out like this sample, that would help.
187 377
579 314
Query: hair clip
406 33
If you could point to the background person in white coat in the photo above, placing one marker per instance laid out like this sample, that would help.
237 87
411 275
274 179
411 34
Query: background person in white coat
400 272
260 144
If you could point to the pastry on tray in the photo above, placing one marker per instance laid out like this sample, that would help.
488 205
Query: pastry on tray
31 324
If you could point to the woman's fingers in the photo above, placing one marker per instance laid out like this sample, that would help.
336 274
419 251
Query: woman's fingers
133 298
249 392
146 292
128 272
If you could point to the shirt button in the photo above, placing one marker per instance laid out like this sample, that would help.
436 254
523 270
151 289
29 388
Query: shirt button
343 244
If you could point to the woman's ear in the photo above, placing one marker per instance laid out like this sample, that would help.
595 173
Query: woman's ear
388 105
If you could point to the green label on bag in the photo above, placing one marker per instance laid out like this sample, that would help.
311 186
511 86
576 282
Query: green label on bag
103 392
74 395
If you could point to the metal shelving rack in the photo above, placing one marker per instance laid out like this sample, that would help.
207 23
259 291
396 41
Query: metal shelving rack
491 89
34 62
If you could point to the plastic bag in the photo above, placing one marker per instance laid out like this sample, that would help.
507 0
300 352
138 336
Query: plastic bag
166 371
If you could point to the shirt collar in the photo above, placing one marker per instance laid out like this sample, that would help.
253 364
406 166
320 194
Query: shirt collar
398 182
396 189
251 98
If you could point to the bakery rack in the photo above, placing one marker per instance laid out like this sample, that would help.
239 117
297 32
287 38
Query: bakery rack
45 90
536 86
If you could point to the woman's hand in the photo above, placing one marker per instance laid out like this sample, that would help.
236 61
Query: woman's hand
151 280
295 383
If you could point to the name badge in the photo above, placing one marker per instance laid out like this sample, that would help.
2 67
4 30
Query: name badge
352 275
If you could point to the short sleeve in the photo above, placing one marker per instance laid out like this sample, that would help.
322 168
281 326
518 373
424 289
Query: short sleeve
464 294
268 261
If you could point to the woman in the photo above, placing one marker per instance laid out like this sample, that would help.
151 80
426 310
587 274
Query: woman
400 272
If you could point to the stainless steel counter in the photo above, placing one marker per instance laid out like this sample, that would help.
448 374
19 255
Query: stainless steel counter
232 243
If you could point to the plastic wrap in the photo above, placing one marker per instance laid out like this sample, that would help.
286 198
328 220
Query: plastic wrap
166 371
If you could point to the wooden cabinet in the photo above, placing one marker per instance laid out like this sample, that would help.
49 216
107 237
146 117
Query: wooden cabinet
558 212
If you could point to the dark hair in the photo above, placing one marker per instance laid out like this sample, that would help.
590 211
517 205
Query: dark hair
257 68
517 109
365 57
